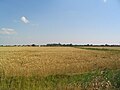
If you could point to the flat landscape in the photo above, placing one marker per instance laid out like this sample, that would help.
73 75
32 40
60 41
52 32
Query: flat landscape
58 68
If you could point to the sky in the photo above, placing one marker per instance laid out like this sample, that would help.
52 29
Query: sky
59 21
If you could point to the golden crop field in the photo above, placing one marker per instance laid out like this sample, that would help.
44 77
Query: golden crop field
46 61
54 60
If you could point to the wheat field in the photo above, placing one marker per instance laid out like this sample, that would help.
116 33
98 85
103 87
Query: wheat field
54 60
46 61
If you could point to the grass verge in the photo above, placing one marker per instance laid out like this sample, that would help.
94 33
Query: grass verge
98 49
100 79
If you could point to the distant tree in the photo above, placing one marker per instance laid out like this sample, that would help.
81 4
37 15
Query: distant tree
106 45
33 45
59 44
91 44
1 45
70 44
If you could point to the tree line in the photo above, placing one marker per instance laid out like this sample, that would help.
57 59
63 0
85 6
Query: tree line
60 45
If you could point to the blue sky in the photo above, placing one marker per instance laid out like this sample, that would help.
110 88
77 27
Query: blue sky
64 21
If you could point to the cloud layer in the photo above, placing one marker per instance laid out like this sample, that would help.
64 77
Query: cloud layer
24 20
7 31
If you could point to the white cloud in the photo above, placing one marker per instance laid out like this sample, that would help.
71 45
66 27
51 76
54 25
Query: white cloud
24 20
7 31
105 1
